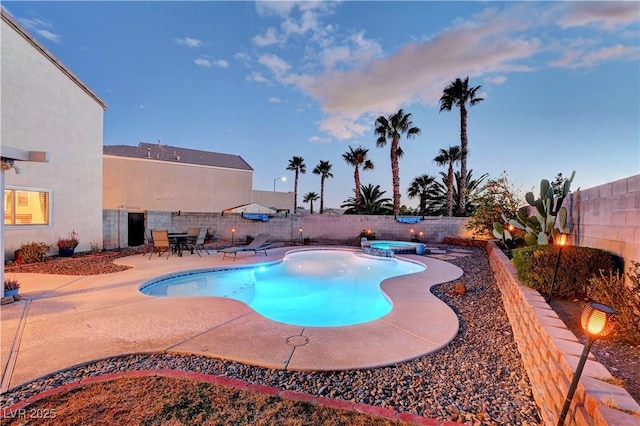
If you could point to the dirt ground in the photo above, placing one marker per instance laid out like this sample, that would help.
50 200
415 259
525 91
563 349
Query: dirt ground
170 401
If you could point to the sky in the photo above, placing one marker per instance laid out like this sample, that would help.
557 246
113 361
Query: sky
272 80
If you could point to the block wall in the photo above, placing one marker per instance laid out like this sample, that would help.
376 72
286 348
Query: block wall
550 354
608 217
281 227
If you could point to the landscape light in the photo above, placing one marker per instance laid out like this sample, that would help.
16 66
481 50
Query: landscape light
300 231
233 233
561 240
596 321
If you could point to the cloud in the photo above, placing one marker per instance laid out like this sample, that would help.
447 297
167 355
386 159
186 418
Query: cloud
268 38
203 62
257 77
221 63
417 72
606 15
498 79
189 42
278 66
275 100
41 28
319 139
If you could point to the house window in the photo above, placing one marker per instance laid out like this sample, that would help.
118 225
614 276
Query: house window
26 207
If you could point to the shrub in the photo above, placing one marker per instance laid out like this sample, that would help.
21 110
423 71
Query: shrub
33 252
611 290
535 266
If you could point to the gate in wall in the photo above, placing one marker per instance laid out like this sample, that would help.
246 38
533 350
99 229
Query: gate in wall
136 229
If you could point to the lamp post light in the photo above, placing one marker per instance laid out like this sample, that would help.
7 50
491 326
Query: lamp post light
420 237
282 178
233 234
411 234
300 236
596 321
560 241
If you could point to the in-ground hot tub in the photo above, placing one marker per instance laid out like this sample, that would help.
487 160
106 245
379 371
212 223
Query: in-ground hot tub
390 248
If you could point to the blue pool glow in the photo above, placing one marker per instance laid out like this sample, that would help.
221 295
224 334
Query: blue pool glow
389 244
315 288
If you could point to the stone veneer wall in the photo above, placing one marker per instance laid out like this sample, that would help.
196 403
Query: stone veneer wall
550 354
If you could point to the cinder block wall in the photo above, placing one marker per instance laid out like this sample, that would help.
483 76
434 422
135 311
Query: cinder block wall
608 217
550 353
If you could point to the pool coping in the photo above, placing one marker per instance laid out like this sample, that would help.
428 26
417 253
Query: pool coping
64 321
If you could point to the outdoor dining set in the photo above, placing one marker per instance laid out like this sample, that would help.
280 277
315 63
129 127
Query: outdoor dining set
162 241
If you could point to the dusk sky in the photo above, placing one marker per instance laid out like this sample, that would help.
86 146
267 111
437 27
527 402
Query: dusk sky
270 80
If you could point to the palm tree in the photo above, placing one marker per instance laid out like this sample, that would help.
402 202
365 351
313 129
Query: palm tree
422 186
393 128
371 202
449 158
310 197
458 93
355 158
296 164
324 170
474 188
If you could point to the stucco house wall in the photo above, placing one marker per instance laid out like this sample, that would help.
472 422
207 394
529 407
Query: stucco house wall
273 199
45 107
149 184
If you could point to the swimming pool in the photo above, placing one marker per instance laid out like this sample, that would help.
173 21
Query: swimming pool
315 288
389 248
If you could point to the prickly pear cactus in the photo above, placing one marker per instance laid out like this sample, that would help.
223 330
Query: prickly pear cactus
549 218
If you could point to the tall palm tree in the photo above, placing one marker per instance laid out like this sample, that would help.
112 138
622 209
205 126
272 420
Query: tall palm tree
422 187
459 94
355 158
449 158
371 202
324 170
393 128
310 197
296 164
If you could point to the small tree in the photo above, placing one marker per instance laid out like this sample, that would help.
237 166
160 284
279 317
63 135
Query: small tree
498 199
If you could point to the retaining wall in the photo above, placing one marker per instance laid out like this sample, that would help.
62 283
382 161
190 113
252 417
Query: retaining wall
550 353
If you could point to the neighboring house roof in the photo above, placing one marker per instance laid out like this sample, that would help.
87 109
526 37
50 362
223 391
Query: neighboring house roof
6 17
176 154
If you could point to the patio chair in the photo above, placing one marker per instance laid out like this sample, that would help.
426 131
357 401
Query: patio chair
259 244
161 243
196 243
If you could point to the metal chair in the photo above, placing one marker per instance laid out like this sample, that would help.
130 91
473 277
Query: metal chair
161 243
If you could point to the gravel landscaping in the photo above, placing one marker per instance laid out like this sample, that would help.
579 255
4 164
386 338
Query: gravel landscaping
478 378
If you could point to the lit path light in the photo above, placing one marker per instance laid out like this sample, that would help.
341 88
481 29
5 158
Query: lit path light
597 322
560 241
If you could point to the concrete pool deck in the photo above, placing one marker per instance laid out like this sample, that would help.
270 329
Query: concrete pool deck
62 321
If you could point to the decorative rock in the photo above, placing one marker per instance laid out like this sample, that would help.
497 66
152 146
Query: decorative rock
460 289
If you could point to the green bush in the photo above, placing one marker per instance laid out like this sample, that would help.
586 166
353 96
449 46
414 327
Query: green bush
611 290
535 266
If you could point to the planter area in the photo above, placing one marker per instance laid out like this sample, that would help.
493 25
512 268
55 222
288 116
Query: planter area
550 354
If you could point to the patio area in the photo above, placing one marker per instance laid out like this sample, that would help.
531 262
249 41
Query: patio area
63 321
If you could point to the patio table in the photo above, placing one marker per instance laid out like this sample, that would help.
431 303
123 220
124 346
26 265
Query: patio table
180 239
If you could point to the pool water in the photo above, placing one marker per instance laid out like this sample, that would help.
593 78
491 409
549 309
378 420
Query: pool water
315 288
